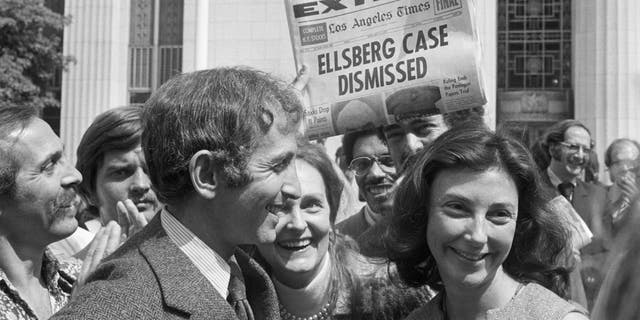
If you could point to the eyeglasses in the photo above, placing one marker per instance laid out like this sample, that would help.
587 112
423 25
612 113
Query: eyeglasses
574 147
361 165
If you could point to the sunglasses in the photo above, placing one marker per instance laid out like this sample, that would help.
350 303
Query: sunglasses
361 165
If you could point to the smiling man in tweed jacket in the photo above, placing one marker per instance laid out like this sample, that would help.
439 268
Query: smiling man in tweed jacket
219 145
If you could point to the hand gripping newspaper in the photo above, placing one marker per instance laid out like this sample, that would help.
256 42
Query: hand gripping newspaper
375 62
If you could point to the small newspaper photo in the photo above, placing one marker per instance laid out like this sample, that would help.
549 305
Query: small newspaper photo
375 62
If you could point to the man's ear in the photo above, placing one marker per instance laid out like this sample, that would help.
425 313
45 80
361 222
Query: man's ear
204 174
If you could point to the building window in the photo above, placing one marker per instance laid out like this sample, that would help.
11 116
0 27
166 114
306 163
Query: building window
534 65
155 49
534 44
51 114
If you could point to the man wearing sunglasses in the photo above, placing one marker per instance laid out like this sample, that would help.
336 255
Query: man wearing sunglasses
569 144
621 159
367 154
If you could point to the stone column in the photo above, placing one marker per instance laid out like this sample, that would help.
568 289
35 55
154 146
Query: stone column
606 69
98 38
486 21
195 49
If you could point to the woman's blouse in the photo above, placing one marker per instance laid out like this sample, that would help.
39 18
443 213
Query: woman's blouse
375 294
532 302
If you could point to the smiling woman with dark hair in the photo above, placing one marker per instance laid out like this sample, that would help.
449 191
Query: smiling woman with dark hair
470 220
318 273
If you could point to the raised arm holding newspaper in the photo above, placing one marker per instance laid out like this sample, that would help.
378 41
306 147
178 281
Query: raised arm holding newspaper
376 63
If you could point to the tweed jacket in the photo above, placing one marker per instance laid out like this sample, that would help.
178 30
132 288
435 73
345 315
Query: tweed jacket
149 277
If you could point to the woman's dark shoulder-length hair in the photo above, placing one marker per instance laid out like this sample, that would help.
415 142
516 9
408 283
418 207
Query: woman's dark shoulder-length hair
540 240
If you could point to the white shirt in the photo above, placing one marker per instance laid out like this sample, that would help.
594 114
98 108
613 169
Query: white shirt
72 246
211 265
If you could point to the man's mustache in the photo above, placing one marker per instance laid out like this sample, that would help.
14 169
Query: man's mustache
578 160
67 199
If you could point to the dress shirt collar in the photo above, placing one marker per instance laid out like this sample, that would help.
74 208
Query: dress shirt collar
212 266
555 181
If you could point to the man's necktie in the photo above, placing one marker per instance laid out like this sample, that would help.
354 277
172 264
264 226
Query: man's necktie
237 297
566 189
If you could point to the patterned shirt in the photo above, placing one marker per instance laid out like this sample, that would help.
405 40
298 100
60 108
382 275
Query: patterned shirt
59 278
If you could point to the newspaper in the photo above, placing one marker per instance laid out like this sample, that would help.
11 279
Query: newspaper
580 233
375 62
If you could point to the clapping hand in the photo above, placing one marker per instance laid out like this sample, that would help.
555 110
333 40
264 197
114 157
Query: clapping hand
628 187
110 237
106 241
129 218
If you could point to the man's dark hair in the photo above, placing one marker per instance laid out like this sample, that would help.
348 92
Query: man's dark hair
592 169
223 110
11 118
349 140
117 129
540 154
607 154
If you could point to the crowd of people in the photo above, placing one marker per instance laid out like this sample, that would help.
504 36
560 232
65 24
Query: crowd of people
209 203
